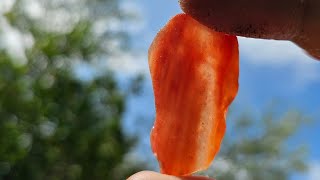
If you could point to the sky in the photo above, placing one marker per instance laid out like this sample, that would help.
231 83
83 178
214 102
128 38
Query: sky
269 71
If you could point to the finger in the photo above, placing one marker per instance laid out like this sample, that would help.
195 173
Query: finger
295 20
149 175
309 38
269 19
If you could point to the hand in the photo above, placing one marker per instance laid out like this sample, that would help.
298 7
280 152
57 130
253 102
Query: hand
149 175
294 20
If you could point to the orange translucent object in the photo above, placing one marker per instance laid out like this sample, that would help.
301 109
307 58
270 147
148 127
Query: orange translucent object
194 73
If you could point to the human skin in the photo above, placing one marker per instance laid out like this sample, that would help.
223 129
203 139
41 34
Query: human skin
294 20
149 175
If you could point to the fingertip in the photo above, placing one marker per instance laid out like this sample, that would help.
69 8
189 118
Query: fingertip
139 175
309 37
270 19
310 49
150 175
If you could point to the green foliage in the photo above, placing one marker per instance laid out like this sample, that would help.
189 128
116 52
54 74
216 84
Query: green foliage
53 124
56 125
259 149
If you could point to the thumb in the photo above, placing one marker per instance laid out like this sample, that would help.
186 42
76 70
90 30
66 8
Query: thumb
295 20
309 38
149 175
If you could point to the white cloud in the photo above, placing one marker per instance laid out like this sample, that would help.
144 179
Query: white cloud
271 52
314 171
280 54
129 63
136 22
242 174
14 42
34 9
6 5
130 8
133 23
222 165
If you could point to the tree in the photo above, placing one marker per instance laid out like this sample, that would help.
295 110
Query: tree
57 123
258 149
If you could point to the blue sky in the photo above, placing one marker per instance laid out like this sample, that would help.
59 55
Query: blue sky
269 70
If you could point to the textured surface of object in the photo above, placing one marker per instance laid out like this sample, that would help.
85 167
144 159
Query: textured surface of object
194 73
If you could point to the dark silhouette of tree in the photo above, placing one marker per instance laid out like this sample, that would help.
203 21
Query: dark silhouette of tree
258 148
56 123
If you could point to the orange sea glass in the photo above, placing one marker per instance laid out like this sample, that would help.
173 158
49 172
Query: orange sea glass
194 73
